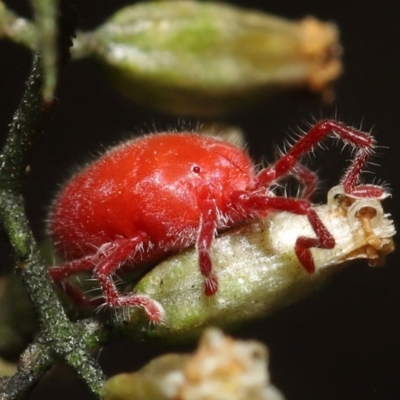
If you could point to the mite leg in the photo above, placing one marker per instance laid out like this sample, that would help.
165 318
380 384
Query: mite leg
362 142
323 240
116 253
103 264
58 274
207 232
307 178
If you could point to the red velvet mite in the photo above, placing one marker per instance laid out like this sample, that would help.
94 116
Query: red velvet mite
158 194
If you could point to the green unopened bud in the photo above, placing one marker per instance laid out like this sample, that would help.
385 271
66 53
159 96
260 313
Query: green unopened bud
258 270
204 58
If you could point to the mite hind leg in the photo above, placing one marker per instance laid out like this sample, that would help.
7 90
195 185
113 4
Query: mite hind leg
103 264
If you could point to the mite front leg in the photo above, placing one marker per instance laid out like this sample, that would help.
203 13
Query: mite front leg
207 232
307 178
323 239
362 142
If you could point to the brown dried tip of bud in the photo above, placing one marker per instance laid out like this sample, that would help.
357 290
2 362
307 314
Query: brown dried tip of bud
319 43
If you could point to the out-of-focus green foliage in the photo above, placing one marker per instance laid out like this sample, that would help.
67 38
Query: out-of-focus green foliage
191 57
17 320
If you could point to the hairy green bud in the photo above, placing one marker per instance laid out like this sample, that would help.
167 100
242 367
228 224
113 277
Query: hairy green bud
258 270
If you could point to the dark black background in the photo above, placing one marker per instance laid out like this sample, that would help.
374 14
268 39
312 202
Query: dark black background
342 343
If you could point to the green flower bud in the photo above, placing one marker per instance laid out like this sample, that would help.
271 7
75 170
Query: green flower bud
258 270
203 58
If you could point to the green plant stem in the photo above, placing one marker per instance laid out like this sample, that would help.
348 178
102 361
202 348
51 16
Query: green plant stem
63 339
46 26
35 361
39 357
17 29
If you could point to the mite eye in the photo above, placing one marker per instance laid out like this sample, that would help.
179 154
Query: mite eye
196 169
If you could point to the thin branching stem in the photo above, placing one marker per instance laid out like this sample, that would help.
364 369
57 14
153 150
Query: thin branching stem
60 339
35 361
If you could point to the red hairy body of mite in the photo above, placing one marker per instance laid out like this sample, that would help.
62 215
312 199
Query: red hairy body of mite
158 194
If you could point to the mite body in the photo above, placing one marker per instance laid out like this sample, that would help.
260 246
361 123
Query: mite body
155 195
